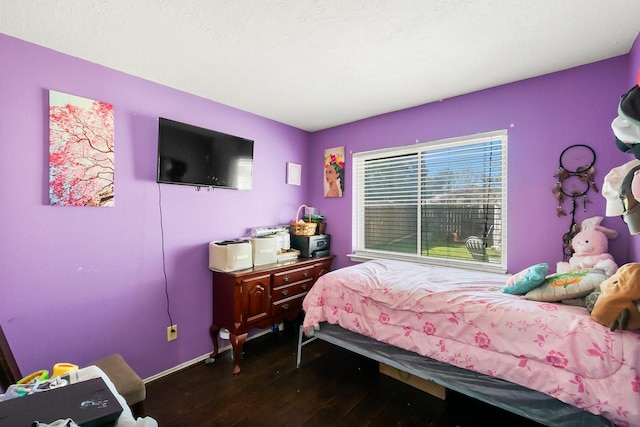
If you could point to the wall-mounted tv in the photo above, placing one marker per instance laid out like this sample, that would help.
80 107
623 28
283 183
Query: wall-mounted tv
191 155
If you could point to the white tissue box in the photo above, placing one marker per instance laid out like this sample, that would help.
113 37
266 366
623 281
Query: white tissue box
265 250
230 255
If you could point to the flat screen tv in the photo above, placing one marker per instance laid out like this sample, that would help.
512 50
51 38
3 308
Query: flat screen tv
191 155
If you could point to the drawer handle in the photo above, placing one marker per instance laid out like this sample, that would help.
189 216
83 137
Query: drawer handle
285 306
285 278
285 292
304 287
306 274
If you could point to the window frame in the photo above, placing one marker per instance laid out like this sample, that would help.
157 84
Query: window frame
362 254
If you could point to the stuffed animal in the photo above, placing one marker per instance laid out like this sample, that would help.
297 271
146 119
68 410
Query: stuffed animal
591 247
618 305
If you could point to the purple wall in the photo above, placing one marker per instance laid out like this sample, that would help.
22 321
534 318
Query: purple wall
543 115
80 283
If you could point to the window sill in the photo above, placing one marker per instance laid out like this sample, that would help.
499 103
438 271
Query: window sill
361 256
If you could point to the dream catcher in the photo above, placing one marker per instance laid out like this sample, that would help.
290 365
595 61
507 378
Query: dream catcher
574 180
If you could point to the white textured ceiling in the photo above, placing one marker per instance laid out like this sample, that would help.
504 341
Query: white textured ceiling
315 64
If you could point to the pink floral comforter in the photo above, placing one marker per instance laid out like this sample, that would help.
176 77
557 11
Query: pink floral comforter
463 318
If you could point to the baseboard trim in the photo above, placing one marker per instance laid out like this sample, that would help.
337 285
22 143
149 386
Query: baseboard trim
198 359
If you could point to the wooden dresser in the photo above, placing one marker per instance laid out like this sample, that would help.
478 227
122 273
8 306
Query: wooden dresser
261 297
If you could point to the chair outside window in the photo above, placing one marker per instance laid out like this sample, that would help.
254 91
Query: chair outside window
476 248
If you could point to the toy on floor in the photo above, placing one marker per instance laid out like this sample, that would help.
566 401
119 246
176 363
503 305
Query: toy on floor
591 246
618 303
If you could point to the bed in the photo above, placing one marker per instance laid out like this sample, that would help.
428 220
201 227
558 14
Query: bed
507 350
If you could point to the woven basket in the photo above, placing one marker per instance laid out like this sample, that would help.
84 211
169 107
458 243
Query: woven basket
301 228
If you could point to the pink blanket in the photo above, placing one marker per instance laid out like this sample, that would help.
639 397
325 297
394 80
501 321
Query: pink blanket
463 318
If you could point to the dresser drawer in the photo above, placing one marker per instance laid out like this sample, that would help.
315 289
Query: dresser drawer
291 276
288 304
260 297
288 291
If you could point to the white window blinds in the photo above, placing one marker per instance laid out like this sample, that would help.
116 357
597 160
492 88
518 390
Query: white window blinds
441 202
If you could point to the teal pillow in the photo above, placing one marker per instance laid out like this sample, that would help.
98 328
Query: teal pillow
527 279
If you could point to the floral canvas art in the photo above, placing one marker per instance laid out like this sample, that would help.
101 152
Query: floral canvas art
81 161
334 167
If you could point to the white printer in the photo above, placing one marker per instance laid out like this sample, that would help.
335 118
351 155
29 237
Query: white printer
230 255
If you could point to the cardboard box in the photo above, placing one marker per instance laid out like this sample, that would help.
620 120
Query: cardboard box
230 255
427 386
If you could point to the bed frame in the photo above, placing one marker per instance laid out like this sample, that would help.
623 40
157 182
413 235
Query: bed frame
520 400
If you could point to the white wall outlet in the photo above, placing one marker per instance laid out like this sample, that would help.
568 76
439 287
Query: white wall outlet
172 332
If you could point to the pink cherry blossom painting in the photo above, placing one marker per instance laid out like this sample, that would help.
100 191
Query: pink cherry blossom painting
81 161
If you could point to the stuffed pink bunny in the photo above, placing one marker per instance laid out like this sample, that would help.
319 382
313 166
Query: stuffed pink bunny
591 247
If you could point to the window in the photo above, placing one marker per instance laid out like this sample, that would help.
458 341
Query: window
441 202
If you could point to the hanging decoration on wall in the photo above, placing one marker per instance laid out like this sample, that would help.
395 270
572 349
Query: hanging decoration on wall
81 167
294 173
334 172
575 177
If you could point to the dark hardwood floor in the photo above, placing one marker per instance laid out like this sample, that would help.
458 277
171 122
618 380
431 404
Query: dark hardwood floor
333 387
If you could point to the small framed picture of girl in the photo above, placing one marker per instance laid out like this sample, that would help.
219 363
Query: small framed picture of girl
334 172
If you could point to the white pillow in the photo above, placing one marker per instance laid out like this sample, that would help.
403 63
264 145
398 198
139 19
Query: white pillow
575 284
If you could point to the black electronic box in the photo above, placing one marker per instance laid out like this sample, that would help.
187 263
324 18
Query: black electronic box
315 246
